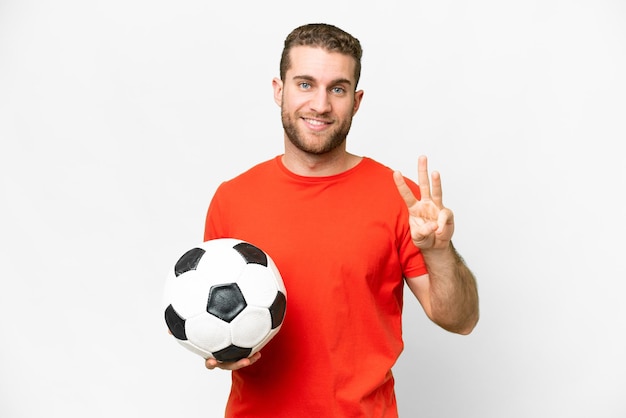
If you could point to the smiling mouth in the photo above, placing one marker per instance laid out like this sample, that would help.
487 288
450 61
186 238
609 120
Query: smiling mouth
316 122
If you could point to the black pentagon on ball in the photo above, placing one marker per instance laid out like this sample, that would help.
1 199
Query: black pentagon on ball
277 310
232 353
225 301
189 261
250 253
175 323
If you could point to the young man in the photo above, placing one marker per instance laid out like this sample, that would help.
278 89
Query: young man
346 233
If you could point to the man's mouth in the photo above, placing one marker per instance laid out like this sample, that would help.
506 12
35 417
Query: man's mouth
316 123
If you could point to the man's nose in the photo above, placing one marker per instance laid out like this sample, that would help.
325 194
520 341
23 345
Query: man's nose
320 102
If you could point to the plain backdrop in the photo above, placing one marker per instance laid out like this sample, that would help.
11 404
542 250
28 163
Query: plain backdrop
119 118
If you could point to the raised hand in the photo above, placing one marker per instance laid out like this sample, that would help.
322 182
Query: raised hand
432 224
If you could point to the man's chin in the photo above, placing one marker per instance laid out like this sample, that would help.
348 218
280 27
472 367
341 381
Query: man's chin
316 147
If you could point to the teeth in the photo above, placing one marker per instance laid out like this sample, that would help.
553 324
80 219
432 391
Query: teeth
315 122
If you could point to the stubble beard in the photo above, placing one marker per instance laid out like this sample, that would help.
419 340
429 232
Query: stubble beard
333 139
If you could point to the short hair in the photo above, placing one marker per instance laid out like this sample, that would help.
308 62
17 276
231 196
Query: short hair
327 37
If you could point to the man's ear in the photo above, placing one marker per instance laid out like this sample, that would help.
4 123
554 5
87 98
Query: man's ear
277 85
358 96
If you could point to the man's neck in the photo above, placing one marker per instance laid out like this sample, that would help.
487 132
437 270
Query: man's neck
313 165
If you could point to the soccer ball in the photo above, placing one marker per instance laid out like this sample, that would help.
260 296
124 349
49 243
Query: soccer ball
224 299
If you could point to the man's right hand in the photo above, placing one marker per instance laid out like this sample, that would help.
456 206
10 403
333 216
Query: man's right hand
211 363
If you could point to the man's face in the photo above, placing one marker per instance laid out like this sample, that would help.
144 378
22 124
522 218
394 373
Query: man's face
317 99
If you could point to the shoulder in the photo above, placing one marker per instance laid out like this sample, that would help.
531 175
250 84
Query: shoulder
255 174
374 165
260 168
375 169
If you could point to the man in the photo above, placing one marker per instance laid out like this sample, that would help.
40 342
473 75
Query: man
346 233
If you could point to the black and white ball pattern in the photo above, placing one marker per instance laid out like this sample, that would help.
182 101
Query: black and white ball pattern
224 299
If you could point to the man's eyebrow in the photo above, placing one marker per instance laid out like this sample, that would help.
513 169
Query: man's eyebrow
311 78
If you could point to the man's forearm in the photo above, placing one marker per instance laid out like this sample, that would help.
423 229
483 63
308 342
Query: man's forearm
453 291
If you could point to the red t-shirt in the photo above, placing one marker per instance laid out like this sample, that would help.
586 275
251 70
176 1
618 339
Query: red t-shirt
342 245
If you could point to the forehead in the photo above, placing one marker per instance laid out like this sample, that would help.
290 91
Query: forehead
320 64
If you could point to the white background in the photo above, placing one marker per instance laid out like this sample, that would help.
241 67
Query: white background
119 118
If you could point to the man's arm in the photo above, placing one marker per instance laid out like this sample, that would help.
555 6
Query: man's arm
448 293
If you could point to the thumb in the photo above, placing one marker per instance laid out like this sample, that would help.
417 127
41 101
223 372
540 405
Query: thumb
404 190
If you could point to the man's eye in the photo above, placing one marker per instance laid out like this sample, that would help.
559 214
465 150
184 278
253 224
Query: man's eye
305 86
338 90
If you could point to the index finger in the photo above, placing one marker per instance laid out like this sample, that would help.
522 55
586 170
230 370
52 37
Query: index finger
422 177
